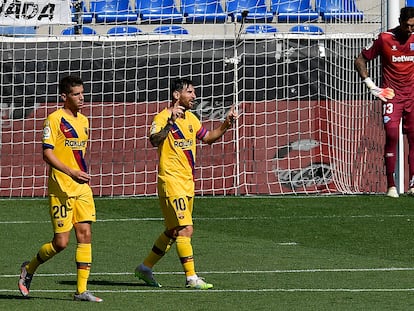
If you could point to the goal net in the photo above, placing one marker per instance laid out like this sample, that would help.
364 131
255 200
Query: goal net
307 125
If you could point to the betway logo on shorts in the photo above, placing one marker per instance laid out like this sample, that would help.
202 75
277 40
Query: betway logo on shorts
402 59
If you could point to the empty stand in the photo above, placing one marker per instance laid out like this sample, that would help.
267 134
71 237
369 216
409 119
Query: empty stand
256 10
203 11
297 11
260 28
158 11
112 11
310 29
171 30
338 10
123 31
18 31
78 30
80 14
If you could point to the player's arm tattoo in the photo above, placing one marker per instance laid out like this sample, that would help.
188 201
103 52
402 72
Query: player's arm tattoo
157 138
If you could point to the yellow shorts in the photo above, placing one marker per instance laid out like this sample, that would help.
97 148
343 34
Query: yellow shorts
177 211
64 211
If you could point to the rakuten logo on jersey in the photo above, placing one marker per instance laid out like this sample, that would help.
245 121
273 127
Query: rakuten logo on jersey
183 143
402 59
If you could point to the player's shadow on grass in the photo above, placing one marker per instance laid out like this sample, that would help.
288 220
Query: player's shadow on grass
19 297
117 283
8 296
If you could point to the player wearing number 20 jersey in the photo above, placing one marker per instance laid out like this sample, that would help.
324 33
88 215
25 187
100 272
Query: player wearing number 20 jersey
71 204
67 136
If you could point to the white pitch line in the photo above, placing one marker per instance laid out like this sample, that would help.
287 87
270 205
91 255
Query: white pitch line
261 290
220 218
136 219
350 270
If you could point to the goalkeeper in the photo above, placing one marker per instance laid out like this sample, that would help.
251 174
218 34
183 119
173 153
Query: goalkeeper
395 48
174 131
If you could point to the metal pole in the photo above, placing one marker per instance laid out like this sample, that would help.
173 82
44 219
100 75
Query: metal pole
235 61
236 106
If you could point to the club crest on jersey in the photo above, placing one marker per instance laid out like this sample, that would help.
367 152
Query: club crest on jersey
411 46
190 128
46 132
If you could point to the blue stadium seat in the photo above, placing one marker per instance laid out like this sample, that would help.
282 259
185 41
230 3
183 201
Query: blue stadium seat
338 10
123 31
296 11
112 11
312 29
203 11
84 30
409 2
80 13
18 31
257 10
260 28
171 30
158 11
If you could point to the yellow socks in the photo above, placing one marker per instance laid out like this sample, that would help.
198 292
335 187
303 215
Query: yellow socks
83 264
46 252
185 253
161 246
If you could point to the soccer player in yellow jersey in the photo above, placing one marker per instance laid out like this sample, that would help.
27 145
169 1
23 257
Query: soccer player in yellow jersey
175 131
65 136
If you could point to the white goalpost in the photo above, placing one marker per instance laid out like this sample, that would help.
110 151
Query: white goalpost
307 124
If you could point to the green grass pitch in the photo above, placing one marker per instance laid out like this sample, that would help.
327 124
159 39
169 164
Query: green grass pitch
261 253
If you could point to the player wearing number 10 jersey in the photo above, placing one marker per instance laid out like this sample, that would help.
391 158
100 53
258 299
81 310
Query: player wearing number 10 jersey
395 48
175 131
65 135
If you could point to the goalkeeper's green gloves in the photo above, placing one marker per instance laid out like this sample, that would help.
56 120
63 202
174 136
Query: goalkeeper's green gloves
383 94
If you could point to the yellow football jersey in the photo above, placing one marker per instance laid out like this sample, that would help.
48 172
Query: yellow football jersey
67 136
177 153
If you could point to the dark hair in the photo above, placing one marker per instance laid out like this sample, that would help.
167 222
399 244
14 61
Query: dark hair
179 84
67 83
406 13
